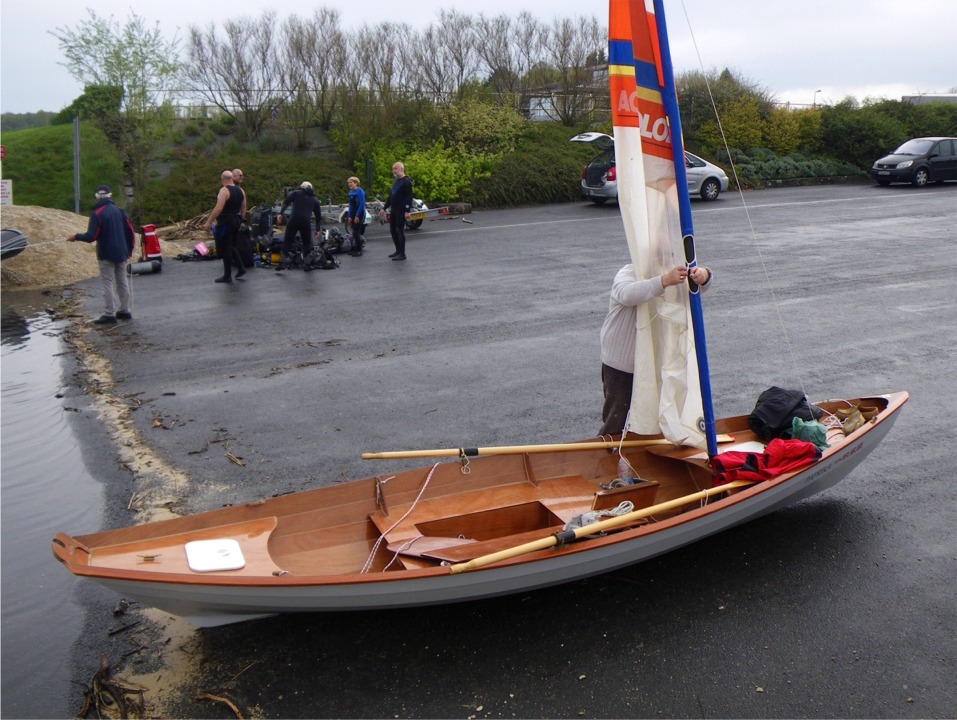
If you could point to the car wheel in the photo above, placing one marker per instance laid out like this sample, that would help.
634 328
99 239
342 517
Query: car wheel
710 189
921 177
413 224
599 200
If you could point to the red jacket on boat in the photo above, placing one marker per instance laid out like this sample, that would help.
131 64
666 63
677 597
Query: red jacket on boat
779 456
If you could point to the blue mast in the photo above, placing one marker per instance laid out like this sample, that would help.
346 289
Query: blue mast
670 102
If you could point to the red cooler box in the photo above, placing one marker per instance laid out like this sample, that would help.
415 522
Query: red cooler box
151 244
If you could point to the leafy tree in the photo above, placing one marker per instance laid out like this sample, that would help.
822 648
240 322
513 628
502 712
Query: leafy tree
145 65
743 123
859 135
937 118
782 133
704 97
97 101
809 129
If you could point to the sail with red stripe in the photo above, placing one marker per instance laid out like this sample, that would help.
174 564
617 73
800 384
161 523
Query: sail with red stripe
653 198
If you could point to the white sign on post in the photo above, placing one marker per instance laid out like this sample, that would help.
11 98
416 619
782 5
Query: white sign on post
6 192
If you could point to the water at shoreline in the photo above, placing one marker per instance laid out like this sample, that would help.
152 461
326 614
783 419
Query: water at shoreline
45 488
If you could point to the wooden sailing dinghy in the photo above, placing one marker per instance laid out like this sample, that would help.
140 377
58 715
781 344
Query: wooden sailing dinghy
504 520
405 540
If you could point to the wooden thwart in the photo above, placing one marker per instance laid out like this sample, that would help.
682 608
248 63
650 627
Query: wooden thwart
520 449
593 528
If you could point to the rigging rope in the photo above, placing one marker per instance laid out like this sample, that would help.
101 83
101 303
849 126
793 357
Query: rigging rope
375 548
130 262
744 204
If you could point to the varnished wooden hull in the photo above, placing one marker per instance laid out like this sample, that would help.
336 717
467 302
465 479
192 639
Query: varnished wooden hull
307 551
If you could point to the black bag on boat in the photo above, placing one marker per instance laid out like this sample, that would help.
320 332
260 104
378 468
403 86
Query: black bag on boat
775 411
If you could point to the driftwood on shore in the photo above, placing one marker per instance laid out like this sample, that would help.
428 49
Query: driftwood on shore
190 231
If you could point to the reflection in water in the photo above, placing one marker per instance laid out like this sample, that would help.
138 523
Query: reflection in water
14 328
45 489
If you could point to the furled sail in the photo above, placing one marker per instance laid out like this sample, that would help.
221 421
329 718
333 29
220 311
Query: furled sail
667 395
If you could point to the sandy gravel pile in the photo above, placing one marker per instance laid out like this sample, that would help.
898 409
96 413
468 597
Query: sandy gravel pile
50 261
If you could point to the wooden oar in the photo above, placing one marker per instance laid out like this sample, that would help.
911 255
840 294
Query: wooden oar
520 449
592 529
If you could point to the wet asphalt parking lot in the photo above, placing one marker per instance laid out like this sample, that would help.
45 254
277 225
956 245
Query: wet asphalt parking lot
840 606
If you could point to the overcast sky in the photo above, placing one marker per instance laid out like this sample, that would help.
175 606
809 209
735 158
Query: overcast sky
864 48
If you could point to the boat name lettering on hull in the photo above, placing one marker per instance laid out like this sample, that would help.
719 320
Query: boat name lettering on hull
852 451
811 477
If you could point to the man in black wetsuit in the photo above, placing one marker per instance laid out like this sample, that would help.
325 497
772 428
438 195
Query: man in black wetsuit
400 202
229 213
304 203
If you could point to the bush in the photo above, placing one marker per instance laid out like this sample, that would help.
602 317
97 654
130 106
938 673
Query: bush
191 187
220 128
760 166
545 168
438 174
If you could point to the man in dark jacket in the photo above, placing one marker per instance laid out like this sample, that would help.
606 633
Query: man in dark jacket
112 231
304 204
400 202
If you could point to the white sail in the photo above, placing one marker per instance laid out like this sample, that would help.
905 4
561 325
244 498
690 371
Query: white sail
666 396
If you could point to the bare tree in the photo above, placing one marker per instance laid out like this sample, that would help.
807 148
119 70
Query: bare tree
458 47
431 71
445 57
387 65
313 62
531 38
238 73
353 74
494 45
572 48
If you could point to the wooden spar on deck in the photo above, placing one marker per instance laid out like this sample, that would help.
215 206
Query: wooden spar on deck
593 528
519 449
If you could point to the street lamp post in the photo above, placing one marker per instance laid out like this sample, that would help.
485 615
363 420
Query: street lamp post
815 97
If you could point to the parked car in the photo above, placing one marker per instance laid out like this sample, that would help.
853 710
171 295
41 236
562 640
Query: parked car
919 161
600 181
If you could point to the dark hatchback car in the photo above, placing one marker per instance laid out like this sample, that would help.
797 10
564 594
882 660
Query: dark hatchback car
919 161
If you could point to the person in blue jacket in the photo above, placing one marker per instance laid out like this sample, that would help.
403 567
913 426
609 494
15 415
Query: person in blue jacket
400 202
357 215
110 228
